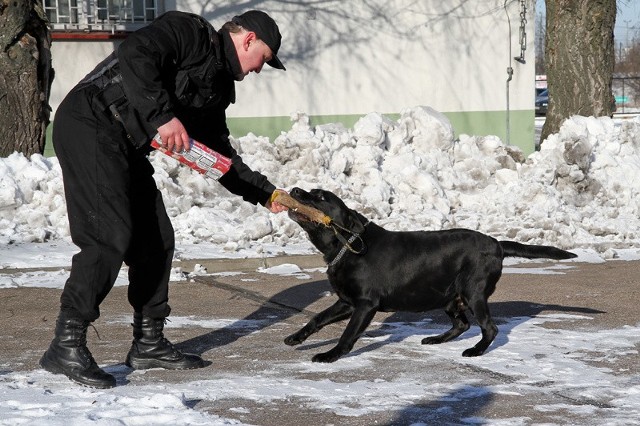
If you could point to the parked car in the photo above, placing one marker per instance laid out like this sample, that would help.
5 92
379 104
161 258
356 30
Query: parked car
542 102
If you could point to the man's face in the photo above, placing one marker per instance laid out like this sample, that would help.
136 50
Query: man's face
252 54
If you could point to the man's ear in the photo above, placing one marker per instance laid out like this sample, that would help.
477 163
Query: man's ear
249 38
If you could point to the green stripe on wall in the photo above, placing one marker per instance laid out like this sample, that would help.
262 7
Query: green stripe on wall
48 144
482 123
522 126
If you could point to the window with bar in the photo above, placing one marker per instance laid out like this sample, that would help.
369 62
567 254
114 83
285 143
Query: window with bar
100 15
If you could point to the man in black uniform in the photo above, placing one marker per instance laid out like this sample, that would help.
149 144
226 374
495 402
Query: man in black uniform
174 77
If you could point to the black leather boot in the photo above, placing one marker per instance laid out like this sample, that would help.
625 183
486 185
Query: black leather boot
150 349
68 354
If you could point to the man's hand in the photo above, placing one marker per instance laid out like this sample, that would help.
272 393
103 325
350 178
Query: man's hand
174 136
275 207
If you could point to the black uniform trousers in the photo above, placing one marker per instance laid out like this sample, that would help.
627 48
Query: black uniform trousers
116 213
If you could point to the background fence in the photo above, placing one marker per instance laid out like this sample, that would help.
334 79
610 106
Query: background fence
627 93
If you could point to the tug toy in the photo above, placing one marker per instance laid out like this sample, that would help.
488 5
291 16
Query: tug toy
310 212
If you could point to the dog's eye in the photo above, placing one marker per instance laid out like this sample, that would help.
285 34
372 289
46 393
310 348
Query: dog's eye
318 194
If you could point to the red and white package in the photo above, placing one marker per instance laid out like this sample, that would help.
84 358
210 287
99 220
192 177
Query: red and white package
200 158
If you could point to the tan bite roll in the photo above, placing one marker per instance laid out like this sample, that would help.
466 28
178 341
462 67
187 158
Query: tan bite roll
310 212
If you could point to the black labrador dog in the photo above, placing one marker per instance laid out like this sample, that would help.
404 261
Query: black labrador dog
372 269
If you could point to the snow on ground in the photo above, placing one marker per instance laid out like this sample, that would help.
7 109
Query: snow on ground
567 366
579 192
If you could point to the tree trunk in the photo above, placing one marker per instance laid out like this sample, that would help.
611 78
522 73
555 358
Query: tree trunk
25 76
579 59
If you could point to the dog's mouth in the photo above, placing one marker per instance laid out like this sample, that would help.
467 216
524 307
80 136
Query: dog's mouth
302 208
296 216
299 216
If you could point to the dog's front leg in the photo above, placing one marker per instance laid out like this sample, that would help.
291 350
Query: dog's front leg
360 320
336 312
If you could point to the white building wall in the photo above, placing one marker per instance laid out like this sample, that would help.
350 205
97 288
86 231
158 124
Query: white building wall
356 57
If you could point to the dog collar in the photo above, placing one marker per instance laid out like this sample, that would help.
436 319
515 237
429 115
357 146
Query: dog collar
347 246
343 250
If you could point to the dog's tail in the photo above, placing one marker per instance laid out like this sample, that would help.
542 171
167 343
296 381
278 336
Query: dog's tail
513 249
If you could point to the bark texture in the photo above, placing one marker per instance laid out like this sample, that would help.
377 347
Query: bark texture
26 75
579 59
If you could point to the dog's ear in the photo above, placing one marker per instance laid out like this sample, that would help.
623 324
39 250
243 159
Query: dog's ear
355 225
344 216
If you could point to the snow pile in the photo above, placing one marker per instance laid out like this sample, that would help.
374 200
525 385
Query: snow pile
412 173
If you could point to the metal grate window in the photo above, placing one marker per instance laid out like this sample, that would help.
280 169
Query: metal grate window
100 15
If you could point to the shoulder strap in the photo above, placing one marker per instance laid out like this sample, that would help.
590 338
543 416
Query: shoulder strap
214 37
215 41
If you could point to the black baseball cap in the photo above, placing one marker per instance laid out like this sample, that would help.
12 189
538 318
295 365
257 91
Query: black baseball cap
266 29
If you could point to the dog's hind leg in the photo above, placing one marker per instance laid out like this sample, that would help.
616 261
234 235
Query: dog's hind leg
360 320
480 309
336 312
455 311
479 287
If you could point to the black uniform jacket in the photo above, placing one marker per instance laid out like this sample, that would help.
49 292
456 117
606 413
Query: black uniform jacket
179 66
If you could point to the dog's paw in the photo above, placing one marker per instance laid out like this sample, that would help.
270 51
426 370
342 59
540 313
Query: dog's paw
433 340
472 352
330 356
293 340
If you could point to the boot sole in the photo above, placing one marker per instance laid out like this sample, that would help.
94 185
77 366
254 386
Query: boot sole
55 368
145 364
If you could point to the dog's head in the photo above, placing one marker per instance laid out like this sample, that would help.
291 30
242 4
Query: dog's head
321 235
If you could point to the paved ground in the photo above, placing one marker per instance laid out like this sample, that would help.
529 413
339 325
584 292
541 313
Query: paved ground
609 293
